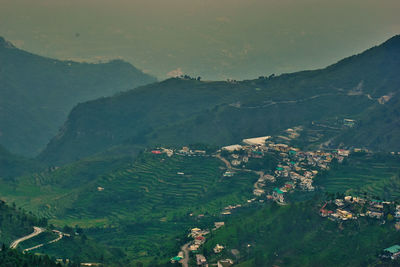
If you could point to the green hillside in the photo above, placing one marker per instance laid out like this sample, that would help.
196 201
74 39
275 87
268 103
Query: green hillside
12 258
129 204
179 111
12 166
295 235
16 223
376 175
142 201
37 93
378 127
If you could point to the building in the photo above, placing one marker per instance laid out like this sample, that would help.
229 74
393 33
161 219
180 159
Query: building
235 162
258 192
232 148
225 263
349 123
257 141
278 195
393 252
344 214
218 225
229 174
218 248
201 260
176 259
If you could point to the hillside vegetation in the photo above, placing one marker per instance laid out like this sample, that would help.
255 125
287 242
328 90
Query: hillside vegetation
37 93
183 111
376 175
295 235
142 201
12 166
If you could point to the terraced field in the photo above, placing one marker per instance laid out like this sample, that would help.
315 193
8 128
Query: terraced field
153 187
377 175
133 205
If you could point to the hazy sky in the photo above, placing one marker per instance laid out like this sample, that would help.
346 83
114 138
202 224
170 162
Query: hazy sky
216 39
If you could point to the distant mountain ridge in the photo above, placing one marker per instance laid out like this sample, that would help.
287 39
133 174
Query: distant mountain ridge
12 166
178 111
37 93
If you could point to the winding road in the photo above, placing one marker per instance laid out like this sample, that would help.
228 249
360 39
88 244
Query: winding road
60 236
36 231
185 260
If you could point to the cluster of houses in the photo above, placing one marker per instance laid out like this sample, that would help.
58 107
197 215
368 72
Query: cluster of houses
198 239
298 167
184 151
351 207
228 210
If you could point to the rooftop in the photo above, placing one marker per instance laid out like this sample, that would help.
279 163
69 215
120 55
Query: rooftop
393 249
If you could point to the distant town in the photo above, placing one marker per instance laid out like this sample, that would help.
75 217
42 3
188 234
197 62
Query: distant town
295 171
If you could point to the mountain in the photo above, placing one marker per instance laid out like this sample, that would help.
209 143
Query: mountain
13 166
37 93
184 111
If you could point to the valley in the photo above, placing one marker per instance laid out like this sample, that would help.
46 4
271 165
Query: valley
299 169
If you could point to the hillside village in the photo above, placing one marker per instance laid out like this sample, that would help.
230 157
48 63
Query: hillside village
295 171
352 208
296 168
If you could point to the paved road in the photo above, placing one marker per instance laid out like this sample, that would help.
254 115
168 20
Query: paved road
185 260
60 236
36 231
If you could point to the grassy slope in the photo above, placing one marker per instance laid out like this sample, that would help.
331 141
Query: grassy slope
15 223
12 166
143 201
376 175
295 235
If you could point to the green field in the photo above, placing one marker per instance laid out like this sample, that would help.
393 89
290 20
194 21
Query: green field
376 175
143 201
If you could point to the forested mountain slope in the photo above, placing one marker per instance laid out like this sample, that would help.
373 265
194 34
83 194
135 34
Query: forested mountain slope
37 93
12 166
179 111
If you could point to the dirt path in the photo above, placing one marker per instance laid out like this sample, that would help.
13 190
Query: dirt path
185 260
227 163
36 231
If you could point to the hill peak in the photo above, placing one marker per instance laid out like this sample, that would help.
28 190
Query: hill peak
6 44
393 42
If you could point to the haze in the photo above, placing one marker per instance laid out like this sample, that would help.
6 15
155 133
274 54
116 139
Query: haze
215 39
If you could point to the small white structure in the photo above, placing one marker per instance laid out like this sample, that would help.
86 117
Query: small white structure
218 248
232 148
225 263
259 141
218 225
